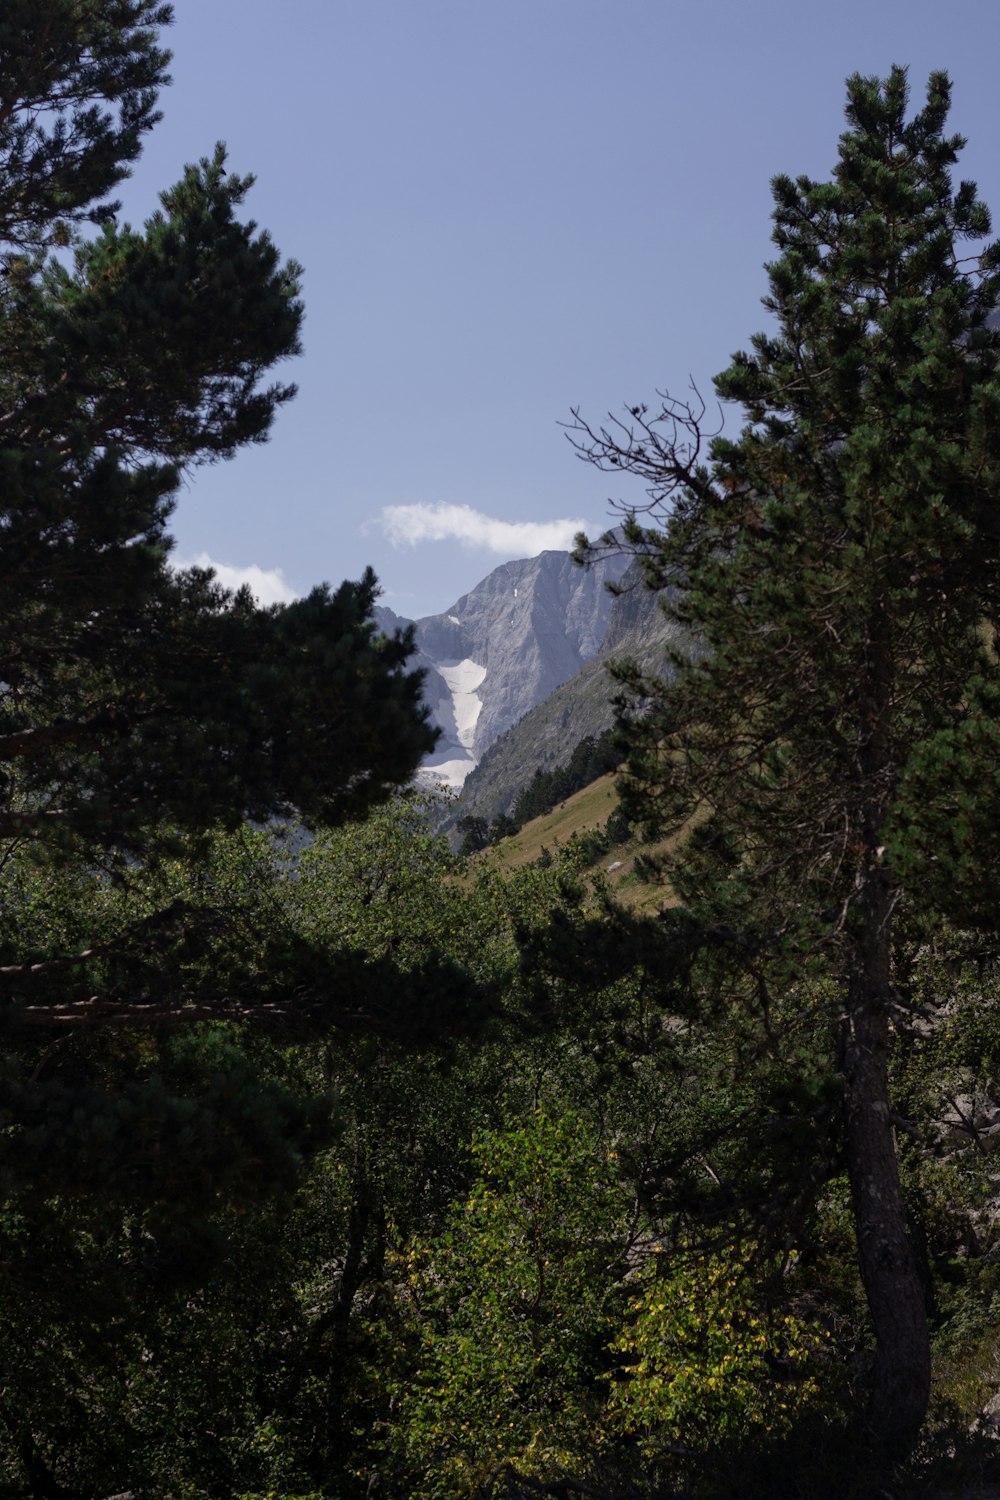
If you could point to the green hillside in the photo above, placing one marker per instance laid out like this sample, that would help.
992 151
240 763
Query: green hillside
584 812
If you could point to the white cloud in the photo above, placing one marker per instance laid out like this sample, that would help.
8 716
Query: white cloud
406 525
268 585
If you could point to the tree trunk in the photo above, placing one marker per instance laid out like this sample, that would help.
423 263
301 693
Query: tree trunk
42 1483
890 1268
886 1255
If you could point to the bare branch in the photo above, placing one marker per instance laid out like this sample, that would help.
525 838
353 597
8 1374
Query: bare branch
666 449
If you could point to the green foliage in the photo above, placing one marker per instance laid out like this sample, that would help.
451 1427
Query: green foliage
145 1172
237 1188
618 828
704 1362
475 832
836 561
80 86
127 1315
587 848
144 354
439 1274
463 1170
502 827
509 1310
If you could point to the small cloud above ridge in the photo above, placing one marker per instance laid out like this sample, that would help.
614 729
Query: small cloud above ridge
407 525
268 585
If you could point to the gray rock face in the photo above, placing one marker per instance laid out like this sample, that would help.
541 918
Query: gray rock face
636 623
507 644
550 731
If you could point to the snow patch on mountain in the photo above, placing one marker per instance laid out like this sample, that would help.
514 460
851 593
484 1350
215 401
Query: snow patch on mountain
502 648
463 678
445 775
457 716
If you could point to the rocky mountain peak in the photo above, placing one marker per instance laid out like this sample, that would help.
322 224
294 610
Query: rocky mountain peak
501 648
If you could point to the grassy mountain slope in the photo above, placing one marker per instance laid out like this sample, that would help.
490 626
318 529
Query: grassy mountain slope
585 811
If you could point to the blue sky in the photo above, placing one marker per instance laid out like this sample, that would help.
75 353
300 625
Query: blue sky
506 208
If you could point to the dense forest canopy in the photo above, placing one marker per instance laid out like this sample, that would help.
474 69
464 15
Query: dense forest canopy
343 1166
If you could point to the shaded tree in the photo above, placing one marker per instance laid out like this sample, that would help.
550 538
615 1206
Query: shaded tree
838 562
194 1214
591 759
141 708
135 695
475 833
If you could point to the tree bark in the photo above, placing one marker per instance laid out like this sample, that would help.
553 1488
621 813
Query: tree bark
887 1257
890 1267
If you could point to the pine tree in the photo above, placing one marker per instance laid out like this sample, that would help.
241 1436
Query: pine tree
142 707
838 562
133 694
140 704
